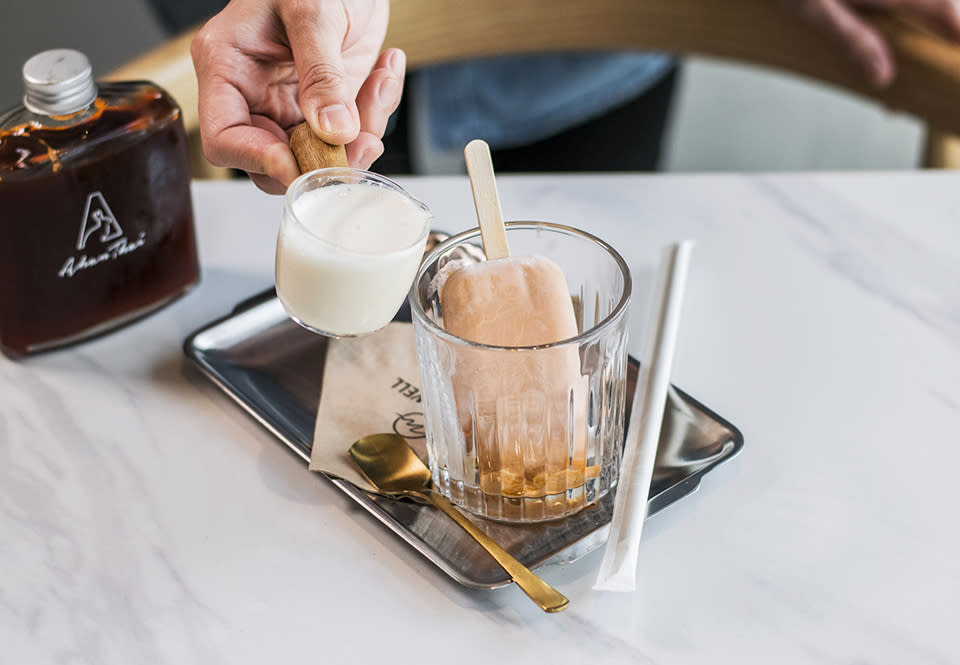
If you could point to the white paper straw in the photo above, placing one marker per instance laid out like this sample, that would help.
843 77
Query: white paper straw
618 569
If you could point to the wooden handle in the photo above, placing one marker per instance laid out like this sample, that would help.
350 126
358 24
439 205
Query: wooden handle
314 153
486 199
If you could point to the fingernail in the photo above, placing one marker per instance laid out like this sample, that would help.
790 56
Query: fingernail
335 120
880 69
388 92
397 61
370 155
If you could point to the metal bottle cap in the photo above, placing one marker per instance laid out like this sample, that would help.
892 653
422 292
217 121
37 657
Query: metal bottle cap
58 82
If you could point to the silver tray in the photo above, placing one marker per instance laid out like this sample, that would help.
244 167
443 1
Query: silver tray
270 366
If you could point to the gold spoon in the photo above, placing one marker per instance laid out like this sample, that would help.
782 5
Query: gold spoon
390 464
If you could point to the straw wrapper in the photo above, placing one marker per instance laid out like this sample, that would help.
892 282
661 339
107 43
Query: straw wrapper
618 569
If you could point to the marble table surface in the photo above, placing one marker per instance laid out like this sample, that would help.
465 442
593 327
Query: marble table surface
144 518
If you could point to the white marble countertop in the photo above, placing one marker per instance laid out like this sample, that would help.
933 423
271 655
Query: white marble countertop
144 518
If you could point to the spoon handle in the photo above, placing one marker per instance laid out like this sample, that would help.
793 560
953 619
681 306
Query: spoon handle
544 595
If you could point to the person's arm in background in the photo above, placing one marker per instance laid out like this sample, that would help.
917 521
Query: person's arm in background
865 46
264 66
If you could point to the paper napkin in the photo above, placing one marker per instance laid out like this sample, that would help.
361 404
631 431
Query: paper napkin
370 385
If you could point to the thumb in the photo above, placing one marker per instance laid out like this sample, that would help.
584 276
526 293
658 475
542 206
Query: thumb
324 96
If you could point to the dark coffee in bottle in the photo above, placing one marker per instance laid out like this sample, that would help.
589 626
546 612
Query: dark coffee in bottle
96 220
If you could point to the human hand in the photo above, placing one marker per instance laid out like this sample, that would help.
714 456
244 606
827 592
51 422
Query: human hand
865 46
264 66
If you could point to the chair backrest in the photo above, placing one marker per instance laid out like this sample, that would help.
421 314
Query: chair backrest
927 85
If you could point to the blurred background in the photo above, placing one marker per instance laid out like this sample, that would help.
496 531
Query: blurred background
726 117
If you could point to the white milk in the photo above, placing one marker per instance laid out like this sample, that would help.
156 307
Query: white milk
347 256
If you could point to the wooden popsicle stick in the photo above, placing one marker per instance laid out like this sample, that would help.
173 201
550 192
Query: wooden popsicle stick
486 199
314 153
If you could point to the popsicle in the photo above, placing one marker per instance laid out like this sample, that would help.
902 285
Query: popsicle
523 409
505 300
511 301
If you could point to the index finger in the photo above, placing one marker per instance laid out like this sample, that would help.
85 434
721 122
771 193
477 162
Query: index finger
942 16
227 131
865 46
230 138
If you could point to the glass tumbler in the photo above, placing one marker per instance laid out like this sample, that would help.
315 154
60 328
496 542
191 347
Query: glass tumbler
349 246
526 434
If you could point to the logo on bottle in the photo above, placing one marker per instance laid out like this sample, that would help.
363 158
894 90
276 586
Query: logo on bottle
97 216
98 220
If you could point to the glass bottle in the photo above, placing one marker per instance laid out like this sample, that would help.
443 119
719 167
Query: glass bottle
96 219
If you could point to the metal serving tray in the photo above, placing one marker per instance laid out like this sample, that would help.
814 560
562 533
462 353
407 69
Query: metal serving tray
271 367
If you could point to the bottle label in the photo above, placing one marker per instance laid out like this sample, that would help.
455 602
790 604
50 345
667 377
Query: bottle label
101 238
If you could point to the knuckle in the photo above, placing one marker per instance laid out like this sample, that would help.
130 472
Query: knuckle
321 76
202 43
293 10
273 159
211 150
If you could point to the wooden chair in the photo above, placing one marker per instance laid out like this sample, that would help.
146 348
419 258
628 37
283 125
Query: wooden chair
927 85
